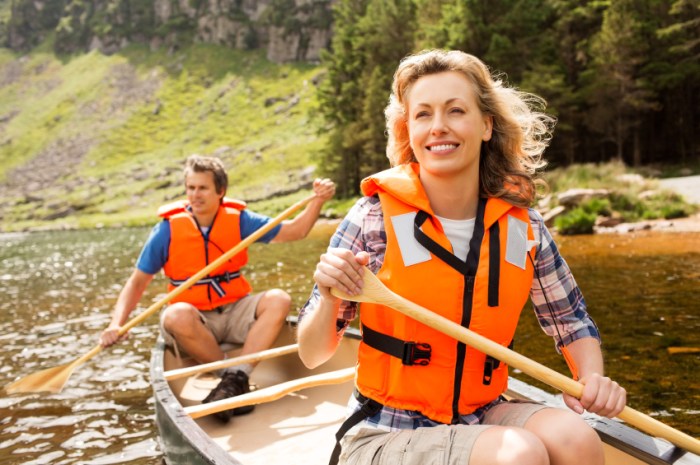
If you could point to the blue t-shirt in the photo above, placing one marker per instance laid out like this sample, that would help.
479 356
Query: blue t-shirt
155 252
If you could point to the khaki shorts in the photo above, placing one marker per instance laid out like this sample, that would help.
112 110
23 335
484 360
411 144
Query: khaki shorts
228 323
438 445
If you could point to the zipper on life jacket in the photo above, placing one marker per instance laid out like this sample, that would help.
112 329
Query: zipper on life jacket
467 299
205 240
468 271
471 266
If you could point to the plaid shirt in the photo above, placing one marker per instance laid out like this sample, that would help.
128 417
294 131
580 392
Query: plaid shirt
363 230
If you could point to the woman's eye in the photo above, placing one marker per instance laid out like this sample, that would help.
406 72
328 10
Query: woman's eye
422 114
456 110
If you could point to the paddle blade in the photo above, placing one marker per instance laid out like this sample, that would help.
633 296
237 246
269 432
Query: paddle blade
50 380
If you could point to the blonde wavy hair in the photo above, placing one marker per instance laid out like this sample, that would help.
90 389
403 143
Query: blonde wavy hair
510 160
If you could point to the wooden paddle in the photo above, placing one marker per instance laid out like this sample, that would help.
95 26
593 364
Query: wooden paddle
229 362
375 291
271 393
53 379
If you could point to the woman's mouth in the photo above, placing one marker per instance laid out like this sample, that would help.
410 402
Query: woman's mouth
442 147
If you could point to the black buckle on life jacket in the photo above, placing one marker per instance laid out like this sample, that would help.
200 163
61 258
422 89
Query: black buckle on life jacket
227 277
489 365
492 364
416 353
410 353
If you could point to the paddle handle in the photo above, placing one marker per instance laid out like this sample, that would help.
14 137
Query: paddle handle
229 362
245 243
375 291
271 393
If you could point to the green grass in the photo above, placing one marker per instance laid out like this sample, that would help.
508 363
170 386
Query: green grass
576 221
140 114
131 119
631 196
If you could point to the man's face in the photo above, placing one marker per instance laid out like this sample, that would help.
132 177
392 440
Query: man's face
201 193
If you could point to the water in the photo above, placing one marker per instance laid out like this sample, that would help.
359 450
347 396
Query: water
58 289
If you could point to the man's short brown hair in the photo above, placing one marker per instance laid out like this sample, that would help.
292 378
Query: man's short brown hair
200 164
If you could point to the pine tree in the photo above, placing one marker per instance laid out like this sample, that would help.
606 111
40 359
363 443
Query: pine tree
678 79
620 91
340 93
369 41
556 75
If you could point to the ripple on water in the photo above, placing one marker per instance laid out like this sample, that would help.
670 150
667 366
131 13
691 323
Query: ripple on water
25 438
140 450
107 401
46 458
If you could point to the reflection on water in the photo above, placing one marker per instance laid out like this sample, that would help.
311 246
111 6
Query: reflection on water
642 291
59 287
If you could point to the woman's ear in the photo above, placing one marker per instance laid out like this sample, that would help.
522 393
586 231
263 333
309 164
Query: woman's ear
488 128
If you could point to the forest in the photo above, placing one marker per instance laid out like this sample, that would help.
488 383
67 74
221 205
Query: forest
622 77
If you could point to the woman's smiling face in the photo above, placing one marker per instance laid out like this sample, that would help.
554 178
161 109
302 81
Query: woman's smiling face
445 125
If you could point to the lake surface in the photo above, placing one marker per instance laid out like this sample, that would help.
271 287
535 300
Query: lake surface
58 289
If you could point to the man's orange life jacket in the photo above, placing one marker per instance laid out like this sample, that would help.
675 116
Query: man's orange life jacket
190 250
405 364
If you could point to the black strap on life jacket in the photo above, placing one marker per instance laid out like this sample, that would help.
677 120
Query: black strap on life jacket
494 263
460 266
410 353
491 364
369 409
213 281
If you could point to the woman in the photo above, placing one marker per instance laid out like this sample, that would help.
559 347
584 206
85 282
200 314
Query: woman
449 228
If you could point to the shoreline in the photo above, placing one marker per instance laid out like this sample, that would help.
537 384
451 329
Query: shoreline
676 225
689 224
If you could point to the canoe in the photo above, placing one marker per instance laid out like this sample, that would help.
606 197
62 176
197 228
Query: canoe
299 428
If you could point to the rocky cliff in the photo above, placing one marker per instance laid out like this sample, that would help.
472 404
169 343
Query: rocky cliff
289 30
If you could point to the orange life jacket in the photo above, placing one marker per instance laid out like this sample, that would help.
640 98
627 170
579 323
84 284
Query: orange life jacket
190 251
405 364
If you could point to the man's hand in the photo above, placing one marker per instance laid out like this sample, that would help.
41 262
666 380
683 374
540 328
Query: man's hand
111 336
324 189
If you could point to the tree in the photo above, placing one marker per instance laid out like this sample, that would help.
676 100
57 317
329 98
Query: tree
431 32
30 22
556 75
619 89
507 35
339 93
370 39
678 79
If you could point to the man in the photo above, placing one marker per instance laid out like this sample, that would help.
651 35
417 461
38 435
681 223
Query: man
220 307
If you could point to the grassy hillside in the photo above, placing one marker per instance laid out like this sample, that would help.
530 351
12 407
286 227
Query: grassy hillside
100 140
93 140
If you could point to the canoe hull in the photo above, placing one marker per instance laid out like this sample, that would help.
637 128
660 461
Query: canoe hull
300 428
182 440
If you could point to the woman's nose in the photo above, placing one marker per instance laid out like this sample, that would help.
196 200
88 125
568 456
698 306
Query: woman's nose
439 125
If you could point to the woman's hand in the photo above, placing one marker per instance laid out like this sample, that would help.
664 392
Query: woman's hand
340 269
601 395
